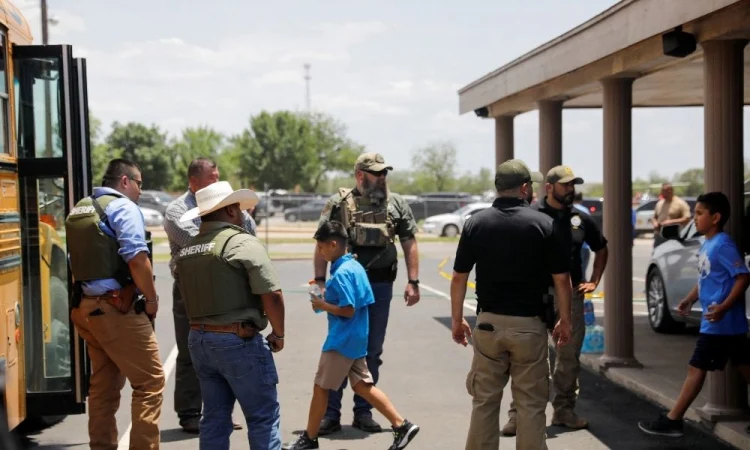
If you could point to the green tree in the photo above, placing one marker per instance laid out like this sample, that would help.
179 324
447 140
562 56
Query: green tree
101 154
436 163
146 146
194 143
475 184
693 179
285 149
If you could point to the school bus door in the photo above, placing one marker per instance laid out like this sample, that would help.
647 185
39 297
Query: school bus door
54 173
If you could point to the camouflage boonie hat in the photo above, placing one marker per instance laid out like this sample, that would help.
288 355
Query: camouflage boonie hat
562 174
374 162
514 173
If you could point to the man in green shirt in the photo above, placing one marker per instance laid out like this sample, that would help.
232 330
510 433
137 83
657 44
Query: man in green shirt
232 293
373 216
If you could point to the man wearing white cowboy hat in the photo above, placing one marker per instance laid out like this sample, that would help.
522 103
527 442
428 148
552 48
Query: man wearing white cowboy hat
232 293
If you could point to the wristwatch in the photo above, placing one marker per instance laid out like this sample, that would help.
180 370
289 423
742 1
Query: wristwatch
414 282
320 279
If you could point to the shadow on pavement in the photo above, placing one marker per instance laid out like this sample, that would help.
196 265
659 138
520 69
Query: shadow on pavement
613 413
347 433
176 435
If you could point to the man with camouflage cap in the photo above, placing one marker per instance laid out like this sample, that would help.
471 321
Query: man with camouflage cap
514 249
373 216
578 228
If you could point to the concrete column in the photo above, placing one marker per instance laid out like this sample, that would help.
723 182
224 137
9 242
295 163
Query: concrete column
503 139
550 137
618 278
723 152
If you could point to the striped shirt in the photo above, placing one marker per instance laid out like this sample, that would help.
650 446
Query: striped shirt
180 233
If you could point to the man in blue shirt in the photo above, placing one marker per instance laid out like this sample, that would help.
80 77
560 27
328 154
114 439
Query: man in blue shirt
109 257
722 281
347 296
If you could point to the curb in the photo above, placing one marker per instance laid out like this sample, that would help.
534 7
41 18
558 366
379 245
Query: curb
730 432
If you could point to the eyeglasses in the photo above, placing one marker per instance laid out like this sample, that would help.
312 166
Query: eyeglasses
138 183
381 173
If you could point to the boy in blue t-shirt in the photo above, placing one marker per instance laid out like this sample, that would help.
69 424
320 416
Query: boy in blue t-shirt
722 281
347 296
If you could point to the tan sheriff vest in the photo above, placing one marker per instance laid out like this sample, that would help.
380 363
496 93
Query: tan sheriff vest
210 285
367 226
93 254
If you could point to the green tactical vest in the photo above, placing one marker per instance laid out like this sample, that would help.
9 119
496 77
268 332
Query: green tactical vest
93 254
210 285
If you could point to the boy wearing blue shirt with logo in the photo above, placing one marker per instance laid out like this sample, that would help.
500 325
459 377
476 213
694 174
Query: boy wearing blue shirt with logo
347 296
722 281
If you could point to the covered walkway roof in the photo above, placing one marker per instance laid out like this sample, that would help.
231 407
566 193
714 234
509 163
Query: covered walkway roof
617 61
626 39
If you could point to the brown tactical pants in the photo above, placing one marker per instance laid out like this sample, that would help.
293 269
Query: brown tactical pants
121 346
567 364
517 349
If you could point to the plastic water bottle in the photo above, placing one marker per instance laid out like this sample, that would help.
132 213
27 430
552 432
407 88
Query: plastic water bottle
593 341
314 291
588 313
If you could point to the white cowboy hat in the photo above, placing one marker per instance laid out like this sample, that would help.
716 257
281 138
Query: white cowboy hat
218 195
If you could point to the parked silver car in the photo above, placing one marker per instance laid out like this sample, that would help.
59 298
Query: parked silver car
672 272
451 224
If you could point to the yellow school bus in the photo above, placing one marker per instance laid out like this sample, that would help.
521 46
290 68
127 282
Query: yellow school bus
44 169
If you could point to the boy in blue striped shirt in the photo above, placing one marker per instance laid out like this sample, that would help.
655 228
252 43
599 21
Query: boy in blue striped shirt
347 296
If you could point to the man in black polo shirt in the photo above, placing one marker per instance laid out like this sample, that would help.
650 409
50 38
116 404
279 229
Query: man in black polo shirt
514 249
579 228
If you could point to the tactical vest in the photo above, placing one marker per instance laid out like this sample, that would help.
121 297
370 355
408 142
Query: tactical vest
93 254
366 225
210 285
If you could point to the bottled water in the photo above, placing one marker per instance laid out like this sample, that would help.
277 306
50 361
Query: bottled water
314 291
593 341
588 313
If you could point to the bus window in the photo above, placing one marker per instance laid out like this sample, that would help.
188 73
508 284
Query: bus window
38 125
49 343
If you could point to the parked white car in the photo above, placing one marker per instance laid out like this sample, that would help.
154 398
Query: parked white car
451 224
152 217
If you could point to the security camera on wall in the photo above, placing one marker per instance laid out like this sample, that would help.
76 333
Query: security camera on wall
678 43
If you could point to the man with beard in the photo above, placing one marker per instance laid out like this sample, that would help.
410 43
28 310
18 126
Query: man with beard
373 216
578 228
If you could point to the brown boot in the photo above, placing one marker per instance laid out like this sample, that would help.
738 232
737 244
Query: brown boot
510 428
569 419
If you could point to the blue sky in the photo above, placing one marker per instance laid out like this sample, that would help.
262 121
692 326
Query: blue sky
390 70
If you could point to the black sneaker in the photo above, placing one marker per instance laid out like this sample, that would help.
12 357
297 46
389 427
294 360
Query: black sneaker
303 443
663 426
403 435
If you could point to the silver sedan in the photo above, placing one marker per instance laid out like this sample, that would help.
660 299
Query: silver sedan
672 272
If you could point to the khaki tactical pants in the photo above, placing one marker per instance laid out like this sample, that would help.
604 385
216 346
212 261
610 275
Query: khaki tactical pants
121 346
567 365
516 348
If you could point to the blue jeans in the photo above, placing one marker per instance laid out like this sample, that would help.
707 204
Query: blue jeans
378 317
231 368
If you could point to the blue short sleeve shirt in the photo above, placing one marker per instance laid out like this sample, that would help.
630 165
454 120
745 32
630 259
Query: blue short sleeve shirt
348 286
719 263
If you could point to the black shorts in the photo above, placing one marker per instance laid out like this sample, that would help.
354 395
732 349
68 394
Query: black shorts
712 351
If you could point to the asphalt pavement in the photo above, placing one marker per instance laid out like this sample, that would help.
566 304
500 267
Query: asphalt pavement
423 374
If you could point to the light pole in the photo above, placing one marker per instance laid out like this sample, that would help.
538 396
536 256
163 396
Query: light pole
307 86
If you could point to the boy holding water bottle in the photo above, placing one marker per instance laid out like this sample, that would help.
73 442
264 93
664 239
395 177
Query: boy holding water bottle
722 281
346 298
